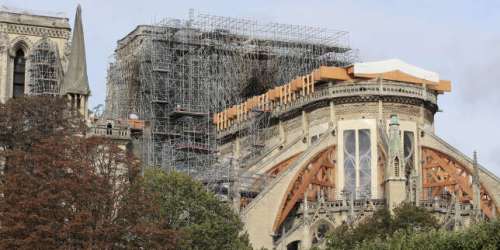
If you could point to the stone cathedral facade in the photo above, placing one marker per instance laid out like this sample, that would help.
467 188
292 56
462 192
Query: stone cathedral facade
337 144
40 55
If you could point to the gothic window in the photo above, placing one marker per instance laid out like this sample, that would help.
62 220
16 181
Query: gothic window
44 69
409 152
357 162
350 161
19 74
364 149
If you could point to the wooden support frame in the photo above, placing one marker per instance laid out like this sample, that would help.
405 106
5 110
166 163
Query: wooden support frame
305 85
282 166
441 172
318 174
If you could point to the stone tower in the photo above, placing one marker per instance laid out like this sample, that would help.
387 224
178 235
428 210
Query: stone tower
394 172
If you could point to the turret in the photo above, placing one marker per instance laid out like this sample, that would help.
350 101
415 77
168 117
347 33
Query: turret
394 173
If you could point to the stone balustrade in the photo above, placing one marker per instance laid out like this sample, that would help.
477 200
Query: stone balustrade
122 133
326 92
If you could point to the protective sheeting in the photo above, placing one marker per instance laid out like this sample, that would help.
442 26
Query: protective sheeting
394 65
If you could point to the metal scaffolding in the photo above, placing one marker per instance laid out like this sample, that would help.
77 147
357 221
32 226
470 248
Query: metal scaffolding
44 69
177 73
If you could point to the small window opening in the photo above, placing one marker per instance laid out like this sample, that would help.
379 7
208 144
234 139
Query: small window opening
396 167
109 129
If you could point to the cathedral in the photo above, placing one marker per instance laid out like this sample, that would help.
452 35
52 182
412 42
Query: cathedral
41 55
328 142
342 142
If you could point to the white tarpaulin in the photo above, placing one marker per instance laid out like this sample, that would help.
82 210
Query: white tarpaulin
393 65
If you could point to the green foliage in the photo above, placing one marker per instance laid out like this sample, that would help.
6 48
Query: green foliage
412 228
344 236
410 217
204 221
485 235
406 217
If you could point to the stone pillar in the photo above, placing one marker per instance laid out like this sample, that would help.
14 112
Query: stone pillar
422 114
458 216
86 107
380 104
82 105
306 241
3 69
282 134
418 167
395 181
305 127
351 208
476 188
333 118
70 101
381 112
236 175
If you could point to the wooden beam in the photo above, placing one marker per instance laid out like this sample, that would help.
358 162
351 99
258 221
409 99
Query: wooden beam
305 177
333 73
398 76
282 166
459 176
441 87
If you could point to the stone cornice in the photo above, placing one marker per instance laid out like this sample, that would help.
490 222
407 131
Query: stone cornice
23 29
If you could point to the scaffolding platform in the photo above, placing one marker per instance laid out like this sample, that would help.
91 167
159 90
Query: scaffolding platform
182 112
178 72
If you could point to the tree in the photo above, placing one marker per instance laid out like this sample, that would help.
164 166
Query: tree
26 121
381 224
410 217
203 220
484 235
64 191
345 236
76 193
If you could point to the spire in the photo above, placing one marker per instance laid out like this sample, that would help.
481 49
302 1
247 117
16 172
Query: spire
476 187
76 80
475 165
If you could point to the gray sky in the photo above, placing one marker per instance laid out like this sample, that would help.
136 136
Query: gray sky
458 39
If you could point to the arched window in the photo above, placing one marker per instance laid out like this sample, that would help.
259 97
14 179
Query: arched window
358 162
18 82
44 69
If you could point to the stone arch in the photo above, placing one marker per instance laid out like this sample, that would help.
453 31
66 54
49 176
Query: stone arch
20 42
322 220
294 245
45 71
318 232
19 46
